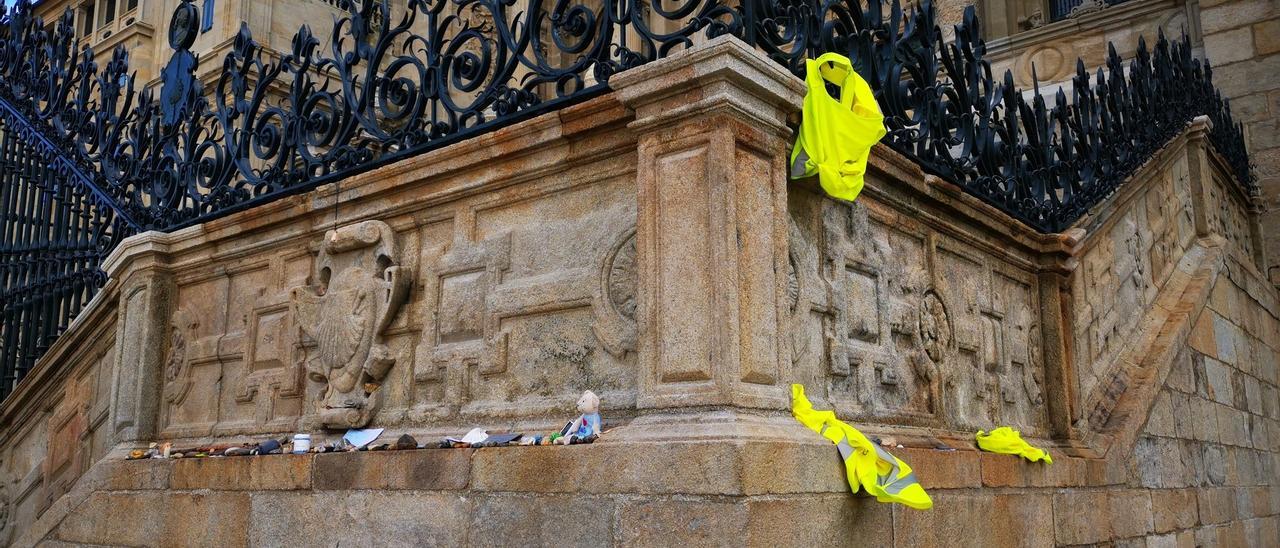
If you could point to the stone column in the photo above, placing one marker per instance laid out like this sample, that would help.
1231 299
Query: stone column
147 290
1056 319
711 235
1200 172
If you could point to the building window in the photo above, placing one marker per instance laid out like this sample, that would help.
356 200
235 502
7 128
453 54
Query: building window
207 24
131 5
86 19
109 13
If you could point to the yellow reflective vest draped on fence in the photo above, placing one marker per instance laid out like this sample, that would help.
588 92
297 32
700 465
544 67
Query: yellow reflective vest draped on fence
836 135
883 475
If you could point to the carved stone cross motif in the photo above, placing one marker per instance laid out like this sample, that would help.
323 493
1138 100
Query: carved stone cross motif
360 285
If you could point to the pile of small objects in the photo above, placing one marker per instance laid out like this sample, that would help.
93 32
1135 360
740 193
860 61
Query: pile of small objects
479 438
584 429
268 447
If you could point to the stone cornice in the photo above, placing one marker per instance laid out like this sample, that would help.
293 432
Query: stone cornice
1113 17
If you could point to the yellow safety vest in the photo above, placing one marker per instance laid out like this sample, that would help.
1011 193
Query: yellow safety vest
836 136
1009 441
867 465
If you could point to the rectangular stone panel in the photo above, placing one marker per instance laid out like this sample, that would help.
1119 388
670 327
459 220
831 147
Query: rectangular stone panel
685 291
549 357
562 226
270 336
862 299
757 286
460 316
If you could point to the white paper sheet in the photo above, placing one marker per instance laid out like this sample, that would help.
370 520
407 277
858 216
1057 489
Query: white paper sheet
361 438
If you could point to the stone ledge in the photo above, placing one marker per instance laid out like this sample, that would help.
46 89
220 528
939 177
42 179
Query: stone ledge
623 494
653 468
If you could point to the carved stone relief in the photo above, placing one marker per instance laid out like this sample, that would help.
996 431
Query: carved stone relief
1226 217
275 359
1046 63
518 318
875 349
1086 7
461 329
615 302
177 364
916 327
808 297
359 286
935 325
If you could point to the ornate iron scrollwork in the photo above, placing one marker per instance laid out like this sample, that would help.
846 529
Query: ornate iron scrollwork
396 81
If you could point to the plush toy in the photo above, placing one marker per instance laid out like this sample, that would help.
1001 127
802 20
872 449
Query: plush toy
587 426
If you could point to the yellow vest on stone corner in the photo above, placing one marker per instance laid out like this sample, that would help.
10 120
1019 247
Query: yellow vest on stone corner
867 465
835 136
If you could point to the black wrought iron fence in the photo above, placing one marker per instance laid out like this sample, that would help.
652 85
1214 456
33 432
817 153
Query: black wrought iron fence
396 79
54 232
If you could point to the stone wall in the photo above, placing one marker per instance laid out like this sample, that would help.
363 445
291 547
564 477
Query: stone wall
55 428
647 246
1242 38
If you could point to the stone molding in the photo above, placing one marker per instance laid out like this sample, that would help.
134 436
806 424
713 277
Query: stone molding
1107 18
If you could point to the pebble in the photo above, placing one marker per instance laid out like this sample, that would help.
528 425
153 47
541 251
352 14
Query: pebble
406 441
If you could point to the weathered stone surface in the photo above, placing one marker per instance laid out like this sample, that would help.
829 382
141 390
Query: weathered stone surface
1266 37
1173 509
1204 419
1081 517
916 313
1007 520
265 472
1201 339
1217 505
142 518
426 469
814 468
678 468
944 469
1064 472
362 518
136 475
542 520
1161 421
1003 470
1231 45
823 520
1218 378
1235 14
681 522
1131 513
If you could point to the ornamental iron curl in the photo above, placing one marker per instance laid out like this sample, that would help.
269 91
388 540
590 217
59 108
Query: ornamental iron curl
394 80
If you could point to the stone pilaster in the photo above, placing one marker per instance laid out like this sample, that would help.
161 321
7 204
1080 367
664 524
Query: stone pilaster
711 234
140 265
